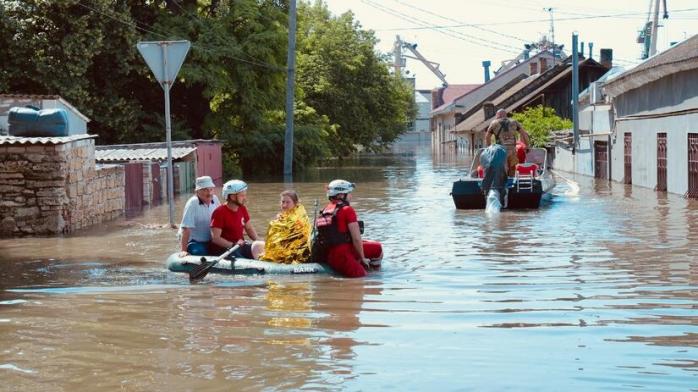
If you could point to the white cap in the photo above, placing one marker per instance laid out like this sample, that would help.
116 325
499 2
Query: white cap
204 182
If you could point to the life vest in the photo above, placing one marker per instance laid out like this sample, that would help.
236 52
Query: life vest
504 135
327 227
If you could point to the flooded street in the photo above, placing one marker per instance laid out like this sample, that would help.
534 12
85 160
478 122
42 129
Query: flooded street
596 290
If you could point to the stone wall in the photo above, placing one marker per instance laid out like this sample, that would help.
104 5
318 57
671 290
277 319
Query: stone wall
55 188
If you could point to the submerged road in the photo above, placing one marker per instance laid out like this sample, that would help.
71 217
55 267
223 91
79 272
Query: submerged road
596 290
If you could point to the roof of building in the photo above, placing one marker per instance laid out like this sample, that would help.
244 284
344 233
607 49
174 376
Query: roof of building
528 89
490 83
479 116
148 151
680 57
46 97
5 140
175 143
453 91
139 154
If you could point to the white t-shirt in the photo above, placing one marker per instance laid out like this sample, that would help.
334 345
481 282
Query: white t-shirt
197 217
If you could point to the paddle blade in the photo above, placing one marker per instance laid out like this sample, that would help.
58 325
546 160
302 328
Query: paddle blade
201 270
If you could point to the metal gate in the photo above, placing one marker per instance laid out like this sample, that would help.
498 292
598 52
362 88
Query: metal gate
209 162
661 162
628 158
601 159
133 173
692 165
157 194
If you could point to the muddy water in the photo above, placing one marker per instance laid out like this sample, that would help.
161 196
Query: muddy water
595 291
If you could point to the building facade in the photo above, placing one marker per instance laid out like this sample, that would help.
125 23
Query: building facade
655 140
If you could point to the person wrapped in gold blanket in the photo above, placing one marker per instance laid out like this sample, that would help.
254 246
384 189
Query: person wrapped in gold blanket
288 236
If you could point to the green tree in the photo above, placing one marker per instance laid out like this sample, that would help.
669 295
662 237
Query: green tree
70 48
540 122
231 86
341 75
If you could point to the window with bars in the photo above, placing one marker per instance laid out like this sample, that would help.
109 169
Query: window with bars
661 162
692 165
628 158
601 159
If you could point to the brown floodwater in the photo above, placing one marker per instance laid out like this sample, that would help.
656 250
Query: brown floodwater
596 290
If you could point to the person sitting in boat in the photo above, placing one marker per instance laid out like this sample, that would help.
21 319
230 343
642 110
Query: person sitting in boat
288 236
503 131
195 229
230 220
338 241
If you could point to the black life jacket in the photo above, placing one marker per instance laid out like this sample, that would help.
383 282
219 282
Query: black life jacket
327 227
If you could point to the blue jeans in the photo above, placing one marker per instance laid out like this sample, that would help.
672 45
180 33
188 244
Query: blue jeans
196 248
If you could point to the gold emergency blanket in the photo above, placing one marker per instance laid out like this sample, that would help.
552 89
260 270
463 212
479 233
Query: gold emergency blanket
288 237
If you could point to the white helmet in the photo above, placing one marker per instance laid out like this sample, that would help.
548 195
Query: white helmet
233 187
339 186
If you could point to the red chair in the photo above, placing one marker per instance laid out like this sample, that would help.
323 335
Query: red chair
525 173
527 169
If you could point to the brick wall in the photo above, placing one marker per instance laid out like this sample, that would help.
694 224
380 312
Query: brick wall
50 189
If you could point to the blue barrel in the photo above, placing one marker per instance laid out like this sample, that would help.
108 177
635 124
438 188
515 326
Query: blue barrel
29 122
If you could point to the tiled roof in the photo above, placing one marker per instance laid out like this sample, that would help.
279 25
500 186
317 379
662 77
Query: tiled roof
453 91
106 154
4 140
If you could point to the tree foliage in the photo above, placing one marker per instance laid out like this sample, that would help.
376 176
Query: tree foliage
231 85
540 122
343 77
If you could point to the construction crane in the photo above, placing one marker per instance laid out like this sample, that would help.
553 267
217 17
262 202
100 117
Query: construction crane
399 61
648 35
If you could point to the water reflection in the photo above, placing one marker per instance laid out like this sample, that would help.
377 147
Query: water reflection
594 291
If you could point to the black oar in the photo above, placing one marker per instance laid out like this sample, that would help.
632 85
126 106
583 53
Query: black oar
201 270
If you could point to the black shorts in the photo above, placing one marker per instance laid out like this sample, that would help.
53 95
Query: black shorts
244 251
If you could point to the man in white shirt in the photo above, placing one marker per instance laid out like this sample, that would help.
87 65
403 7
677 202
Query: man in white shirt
195 230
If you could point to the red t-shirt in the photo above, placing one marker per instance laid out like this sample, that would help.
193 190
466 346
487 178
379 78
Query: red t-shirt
232 223
345 216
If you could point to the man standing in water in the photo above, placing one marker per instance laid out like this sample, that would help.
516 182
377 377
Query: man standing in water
504 132
195 229
230 220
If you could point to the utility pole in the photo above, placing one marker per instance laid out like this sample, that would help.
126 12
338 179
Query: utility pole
575 93
653 35
552 32
290 86
397 56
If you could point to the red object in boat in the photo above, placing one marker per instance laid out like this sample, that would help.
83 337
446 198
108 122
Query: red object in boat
527 169
521 151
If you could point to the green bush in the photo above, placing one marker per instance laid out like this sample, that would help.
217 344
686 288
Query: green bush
540 122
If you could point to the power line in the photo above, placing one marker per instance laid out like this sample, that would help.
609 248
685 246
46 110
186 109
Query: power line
526 21
197 46
454 20
448 32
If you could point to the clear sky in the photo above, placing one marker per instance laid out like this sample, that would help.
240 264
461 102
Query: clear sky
459 35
